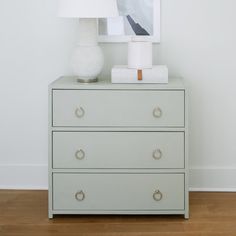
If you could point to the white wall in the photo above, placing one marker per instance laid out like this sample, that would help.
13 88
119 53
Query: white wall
198 43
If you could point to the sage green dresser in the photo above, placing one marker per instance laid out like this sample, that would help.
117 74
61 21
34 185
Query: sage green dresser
118 149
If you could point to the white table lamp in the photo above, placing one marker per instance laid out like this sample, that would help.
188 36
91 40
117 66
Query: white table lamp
87 60
139 56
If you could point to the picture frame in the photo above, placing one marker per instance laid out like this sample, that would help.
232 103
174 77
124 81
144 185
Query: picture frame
116 35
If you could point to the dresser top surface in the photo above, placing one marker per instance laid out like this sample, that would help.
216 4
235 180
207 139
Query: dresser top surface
67 82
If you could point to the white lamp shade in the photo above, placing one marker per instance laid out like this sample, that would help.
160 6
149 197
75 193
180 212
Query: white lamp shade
88 8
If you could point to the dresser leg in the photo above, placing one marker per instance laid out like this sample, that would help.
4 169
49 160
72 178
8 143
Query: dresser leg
50 215
186 216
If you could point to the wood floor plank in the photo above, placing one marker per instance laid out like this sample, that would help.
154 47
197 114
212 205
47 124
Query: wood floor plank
24 213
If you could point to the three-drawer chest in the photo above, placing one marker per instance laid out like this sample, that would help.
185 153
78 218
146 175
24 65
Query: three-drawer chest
118 149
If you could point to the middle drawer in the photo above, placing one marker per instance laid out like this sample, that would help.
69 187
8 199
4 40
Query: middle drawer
118 150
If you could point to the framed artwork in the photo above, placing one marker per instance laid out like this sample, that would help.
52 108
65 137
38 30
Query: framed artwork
139 18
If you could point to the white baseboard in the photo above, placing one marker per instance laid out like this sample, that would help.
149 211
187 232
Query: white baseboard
30 177
202 179
213 179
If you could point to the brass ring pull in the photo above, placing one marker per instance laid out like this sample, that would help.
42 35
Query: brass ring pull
80 154
157 196
79 112
80 196
157 112
157 154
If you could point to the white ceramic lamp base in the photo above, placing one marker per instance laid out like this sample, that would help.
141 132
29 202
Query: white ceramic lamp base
87 63
87 59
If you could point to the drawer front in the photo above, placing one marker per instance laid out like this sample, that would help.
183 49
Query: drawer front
118 191
118 150
118 108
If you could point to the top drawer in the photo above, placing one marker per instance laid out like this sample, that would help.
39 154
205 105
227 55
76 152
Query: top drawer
116 108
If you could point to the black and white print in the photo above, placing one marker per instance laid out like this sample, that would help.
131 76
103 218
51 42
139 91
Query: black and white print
136 18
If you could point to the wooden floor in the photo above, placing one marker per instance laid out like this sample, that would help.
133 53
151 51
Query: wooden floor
24 213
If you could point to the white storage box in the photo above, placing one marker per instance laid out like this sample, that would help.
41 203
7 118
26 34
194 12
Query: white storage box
124 75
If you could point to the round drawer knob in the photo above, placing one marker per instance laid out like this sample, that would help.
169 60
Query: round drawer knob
157 154
157 195
79 112
157 112
80 196
80 154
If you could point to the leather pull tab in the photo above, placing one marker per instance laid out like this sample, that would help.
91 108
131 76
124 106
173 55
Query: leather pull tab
140 75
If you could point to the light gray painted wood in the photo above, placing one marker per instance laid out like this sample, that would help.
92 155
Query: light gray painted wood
120 171
118 191
118 108
118 129
118 150
50 200
138 125
186 215
71 83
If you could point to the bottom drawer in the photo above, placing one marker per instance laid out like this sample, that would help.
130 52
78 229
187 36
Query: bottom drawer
118 192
